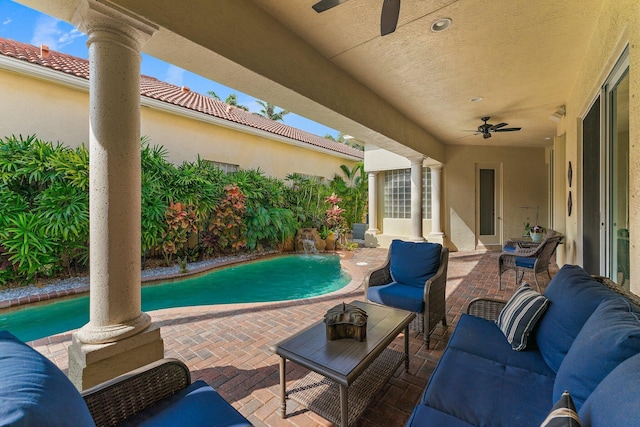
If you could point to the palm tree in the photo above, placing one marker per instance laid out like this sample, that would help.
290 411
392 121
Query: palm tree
269 111
232 100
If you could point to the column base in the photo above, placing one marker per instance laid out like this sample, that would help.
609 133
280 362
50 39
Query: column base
92 364
437 237
417 239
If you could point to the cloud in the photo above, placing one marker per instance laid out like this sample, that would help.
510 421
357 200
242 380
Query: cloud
51 32
174 75
6 21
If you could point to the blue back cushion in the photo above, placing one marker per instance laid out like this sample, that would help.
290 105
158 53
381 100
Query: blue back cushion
615 401
412 263
610 336
34 392
572 290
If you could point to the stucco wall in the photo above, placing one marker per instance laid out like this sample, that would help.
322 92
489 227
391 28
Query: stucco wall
619 25
520 167
55 112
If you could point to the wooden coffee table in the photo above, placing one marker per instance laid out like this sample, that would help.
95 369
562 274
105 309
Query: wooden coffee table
345 361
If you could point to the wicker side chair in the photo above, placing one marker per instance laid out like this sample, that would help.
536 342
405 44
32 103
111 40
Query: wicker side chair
433 294
123 398
536 259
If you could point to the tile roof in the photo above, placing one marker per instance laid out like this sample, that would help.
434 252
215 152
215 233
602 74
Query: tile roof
153 88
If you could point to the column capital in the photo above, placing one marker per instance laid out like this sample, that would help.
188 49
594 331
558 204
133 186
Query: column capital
416 159
103 19
435 167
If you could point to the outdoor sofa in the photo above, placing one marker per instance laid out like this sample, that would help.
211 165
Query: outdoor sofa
34 392
586 341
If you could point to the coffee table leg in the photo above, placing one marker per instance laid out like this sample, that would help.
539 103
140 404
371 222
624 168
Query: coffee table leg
406 349
344 408
283 387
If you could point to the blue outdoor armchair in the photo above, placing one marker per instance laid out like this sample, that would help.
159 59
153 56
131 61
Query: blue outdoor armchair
414 279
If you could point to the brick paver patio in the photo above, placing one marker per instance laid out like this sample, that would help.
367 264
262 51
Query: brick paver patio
228 345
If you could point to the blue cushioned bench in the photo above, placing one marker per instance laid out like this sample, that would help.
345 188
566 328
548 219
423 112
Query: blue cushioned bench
587 342
34 392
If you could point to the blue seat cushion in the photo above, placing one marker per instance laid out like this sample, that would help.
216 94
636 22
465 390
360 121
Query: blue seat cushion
525 262
394 294
615 401
572 290
412 263
34 392
197 405
610 336
485 392
483 338
426 416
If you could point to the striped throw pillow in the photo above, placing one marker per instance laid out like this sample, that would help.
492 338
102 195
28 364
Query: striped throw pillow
563 413
518 318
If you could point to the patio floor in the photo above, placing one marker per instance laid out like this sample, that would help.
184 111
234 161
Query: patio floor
228 345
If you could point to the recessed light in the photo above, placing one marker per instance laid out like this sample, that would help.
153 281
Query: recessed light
476 99
440 25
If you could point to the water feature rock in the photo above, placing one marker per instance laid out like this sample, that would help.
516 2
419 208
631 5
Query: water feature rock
308 240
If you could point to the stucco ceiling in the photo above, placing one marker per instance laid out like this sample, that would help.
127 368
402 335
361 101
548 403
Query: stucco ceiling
411 87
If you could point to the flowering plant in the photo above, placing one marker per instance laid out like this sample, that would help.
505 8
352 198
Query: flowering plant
537 229
334 217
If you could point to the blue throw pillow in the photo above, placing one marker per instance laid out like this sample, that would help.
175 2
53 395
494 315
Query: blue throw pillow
414 263
572 290
521 314
34 392
610 336
615 401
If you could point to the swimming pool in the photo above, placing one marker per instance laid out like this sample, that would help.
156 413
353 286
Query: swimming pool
276 279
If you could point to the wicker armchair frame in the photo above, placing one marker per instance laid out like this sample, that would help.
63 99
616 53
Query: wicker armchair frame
434 293
542 253
122 397
490 308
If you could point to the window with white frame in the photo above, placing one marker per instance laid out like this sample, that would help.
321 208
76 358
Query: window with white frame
397 193
225 167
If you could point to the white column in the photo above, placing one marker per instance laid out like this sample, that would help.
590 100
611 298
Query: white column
436 234
416 199
114 40
373 203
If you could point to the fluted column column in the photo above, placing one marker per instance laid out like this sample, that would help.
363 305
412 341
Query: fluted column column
373 202
416 199
115 39
436 234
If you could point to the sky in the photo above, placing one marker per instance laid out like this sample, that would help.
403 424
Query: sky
25 25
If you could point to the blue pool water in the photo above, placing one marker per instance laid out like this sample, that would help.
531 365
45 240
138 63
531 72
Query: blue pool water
276 279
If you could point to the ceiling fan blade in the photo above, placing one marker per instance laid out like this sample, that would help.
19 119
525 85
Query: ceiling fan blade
498 126
323 5
389 17
507 130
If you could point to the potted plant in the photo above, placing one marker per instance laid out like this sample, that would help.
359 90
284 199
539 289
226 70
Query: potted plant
536 233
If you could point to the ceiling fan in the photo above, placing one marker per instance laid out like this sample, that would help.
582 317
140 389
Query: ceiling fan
388 18
487 128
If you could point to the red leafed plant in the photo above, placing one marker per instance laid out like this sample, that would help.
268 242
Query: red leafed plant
333 217
181 221
227 230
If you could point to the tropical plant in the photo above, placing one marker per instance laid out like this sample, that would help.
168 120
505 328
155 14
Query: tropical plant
232 99
268 110
226 231
27 247
65 211
181 221
353 191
